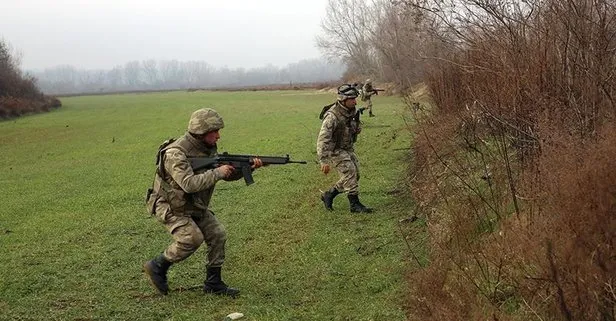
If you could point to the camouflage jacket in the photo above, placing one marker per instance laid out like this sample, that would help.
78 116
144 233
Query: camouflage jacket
367 91
336 132
186 192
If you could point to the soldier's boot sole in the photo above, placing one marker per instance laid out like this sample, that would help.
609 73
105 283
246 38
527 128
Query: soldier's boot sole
231 292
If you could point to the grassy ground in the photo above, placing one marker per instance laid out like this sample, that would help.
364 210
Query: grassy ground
74 232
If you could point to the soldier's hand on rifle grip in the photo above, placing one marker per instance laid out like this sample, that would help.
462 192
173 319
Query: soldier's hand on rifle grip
225 170
256 163
325 168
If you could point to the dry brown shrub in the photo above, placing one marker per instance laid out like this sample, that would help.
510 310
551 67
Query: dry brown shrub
529 102
19 94
462 188
572 237
11 107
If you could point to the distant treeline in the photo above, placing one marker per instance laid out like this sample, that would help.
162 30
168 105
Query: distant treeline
173 74
19 94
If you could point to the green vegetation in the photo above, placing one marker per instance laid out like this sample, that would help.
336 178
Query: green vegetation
74 232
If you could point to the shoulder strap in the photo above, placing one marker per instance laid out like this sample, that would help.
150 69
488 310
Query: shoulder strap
334 111
325 109
162 147
169 143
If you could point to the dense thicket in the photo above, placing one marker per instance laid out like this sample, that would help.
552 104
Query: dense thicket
513 156
19 94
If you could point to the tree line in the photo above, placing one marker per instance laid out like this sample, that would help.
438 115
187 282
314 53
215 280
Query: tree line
174 74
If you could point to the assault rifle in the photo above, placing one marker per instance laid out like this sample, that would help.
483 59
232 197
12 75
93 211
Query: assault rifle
377 90
242 162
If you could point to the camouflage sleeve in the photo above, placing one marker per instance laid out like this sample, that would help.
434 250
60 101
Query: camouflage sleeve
179 168
325 140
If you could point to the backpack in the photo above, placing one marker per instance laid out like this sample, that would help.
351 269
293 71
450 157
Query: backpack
158 174
325 109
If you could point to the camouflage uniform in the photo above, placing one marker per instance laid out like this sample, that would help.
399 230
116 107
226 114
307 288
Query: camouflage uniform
338 132
335 146
179 198
367 92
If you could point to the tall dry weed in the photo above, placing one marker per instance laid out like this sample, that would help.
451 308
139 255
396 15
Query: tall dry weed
513 163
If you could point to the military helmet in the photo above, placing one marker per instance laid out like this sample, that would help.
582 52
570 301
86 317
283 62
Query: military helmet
368 81
204 120
347 91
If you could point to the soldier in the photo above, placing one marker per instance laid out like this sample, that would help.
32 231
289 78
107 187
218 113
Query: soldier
180 198
367 92
335 147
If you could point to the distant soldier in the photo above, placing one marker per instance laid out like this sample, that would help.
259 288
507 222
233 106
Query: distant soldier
335 148
367 92
180 198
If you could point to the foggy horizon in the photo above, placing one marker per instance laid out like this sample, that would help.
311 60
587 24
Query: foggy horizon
107 34
158 61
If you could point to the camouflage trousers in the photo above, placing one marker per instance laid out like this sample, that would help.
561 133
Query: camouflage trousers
368 105
189 232
347 165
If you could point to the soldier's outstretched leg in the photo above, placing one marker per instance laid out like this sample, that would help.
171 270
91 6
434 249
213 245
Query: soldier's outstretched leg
357 206
214 284
328 198
370 114
156 270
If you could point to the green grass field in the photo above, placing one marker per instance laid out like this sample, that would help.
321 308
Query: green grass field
74 232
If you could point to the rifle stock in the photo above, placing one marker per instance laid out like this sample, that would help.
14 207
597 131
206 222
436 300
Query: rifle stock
242 162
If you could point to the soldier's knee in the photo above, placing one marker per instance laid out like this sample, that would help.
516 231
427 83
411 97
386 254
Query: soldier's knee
220 235
197 238
191 240
215 235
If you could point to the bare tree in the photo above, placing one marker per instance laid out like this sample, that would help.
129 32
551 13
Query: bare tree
348 32
151 73
132 74
400 41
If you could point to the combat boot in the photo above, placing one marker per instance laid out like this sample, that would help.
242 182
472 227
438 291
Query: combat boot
357 206
156 270
328 198
214 284
370 114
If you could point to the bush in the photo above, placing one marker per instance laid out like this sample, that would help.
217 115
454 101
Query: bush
514 163
19 94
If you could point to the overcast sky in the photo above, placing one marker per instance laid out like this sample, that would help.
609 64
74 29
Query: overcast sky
95 34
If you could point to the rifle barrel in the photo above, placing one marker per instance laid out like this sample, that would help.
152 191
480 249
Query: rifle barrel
298 162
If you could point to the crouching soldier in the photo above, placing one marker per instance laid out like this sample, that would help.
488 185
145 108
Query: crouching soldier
180 200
